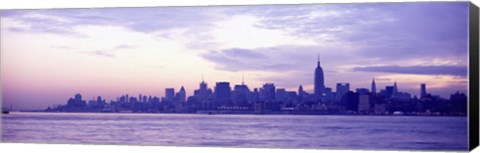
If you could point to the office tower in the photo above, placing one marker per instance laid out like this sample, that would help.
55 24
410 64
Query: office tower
342 89
389 91
222 92
169 94
423 90
267 92
78 97
374 86
281 94
328 94
181 95
300 93
362 91
319 84
395 88
203 93
240 94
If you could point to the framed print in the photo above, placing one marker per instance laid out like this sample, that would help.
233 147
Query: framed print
369 76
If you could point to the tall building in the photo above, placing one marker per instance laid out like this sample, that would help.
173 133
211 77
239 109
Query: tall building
78 97
319 85
223 92
423 90
362 91
328 94
240 94
342 89
203 93
281 94
267 92
301 93
389 91
374 86
395 88
169 94
181 95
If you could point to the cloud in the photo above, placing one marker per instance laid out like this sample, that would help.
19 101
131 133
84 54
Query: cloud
145 20
425 70
102 53
124 47
109 52
276 59
243 59
386 31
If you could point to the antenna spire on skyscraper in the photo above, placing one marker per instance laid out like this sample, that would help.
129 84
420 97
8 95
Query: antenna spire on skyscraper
318 59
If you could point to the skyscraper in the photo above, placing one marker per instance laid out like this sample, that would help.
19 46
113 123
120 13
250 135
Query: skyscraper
240 94
389 91
169 94
267 92
301 93
395 88
342 89
203 93
423 90
223 92
78 97
374 86
319 84
181 95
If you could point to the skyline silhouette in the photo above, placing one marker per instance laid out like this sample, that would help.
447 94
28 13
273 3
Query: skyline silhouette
271 99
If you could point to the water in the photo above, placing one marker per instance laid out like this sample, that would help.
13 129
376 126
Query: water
270 131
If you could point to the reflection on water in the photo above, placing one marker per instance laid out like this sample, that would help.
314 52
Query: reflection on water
273 131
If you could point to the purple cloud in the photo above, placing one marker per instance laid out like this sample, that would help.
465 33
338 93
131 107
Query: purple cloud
62 21
424 70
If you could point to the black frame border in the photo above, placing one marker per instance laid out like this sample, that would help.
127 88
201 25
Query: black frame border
473 112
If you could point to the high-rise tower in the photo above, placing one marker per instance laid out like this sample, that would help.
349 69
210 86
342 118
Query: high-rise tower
374 86
319 84
395 88
423 90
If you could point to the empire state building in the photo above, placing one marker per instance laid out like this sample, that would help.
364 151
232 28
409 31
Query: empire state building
319 84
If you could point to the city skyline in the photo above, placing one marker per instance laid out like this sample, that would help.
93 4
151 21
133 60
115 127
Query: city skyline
180 95
114 51
270 99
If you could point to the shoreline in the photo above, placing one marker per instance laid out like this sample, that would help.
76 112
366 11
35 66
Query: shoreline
256 114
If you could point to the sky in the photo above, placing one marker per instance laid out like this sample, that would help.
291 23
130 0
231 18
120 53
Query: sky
49 55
